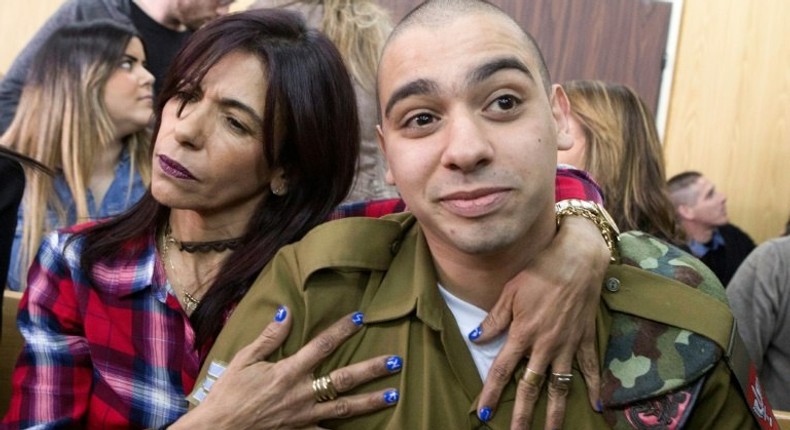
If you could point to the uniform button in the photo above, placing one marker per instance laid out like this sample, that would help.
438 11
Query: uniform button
613 285
395 247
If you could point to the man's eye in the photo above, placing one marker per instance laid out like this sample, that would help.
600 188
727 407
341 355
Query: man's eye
420 120
507 102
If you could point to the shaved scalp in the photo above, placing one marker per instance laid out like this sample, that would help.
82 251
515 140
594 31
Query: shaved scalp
435 13
680 190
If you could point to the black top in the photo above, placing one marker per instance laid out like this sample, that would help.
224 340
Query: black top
724 260
12 178
161 44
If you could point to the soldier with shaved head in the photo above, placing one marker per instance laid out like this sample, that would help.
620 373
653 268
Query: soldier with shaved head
470 127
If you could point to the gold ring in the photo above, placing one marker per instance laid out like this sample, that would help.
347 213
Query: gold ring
323 389
533 378
561 382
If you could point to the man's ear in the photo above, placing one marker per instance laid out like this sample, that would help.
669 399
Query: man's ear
388 178
561 110
686 212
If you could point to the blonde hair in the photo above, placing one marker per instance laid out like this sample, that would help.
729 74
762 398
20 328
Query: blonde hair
63 123
358 28
625 156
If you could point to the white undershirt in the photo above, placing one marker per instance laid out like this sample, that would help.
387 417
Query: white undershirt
468 317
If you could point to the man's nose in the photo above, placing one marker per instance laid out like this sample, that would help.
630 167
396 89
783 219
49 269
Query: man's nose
468 146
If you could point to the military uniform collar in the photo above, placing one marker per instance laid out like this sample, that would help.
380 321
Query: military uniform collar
410 283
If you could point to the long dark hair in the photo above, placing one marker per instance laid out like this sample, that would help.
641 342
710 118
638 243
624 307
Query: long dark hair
309 101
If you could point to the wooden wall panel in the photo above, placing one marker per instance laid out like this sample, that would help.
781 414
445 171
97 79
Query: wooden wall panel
616 40
729 112
19 21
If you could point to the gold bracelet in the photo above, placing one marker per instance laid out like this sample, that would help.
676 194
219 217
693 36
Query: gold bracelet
595 213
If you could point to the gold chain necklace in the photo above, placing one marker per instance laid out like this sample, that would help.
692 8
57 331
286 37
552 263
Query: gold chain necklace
190 302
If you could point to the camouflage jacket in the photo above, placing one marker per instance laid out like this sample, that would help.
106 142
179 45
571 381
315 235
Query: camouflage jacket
666 337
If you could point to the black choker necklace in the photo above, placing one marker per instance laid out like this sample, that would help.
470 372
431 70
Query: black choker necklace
203 247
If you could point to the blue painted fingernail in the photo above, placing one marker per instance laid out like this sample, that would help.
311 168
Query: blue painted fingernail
599 405
391 397
485 414
394 363
358 318
281 314
476 333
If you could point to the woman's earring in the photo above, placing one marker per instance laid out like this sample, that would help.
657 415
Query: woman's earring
280 189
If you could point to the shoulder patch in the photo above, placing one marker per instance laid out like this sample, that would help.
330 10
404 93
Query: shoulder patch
658 351
668 411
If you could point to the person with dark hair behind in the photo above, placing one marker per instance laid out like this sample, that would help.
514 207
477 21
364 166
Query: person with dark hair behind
121 310
13 178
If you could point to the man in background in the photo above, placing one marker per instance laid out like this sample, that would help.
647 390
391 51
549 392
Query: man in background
702 211
163 25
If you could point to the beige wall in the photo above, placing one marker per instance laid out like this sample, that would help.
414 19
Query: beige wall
19 20
729 113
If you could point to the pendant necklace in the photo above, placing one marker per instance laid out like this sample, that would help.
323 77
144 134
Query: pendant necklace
189 301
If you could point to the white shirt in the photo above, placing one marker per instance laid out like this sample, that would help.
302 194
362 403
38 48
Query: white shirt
468 317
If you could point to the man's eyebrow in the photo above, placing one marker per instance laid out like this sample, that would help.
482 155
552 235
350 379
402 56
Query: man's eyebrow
487 69
420 86
233 103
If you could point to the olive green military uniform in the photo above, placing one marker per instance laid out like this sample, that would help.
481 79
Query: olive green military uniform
383 268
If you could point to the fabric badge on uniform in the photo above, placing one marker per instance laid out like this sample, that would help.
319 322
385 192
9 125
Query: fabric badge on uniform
758 402
215 370
666 412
